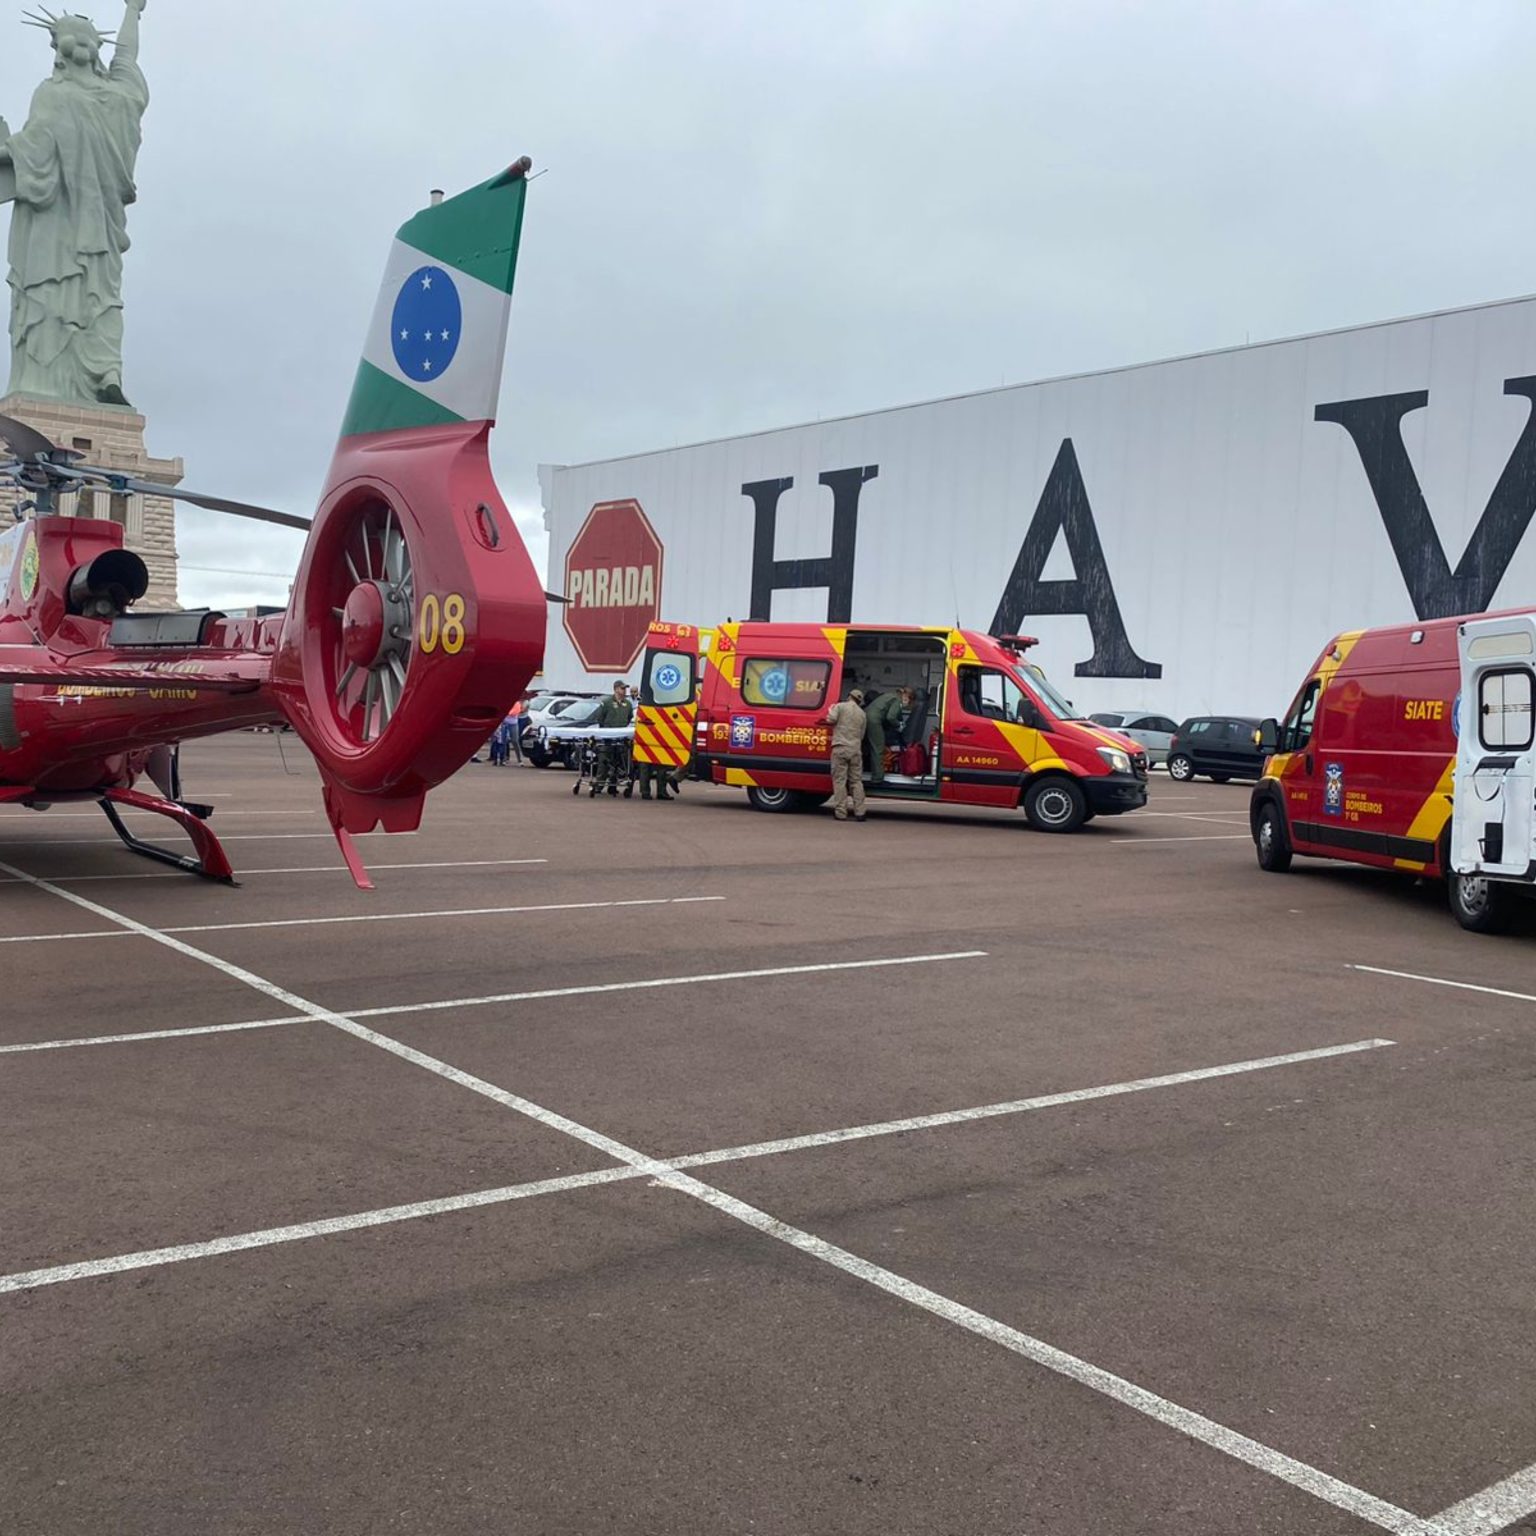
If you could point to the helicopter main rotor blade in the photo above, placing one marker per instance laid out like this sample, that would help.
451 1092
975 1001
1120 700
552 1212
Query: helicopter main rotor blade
221 504
555 597
116 482
23 440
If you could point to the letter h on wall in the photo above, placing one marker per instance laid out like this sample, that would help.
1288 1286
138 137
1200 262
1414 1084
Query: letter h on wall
834 571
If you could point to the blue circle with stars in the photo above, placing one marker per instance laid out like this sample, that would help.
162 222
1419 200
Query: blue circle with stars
424 330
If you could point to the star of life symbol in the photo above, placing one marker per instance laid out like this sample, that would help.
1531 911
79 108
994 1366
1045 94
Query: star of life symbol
775 684
426 323
669 676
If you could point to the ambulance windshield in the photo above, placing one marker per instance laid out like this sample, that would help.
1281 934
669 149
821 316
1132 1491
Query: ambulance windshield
1062 708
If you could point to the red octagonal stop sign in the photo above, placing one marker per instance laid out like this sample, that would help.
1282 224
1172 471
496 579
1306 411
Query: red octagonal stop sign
612 586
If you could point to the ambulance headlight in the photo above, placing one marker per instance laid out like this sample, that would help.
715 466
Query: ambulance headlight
1118 761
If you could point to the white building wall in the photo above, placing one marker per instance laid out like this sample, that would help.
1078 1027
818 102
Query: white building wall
1239 533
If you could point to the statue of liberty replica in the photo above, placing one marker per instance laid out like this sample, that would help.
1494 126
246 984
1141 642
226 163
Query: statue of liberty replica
69 172
68 178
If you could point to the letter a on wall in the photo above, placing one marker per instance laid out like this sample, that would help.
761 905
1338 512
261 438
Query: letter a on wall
1064 512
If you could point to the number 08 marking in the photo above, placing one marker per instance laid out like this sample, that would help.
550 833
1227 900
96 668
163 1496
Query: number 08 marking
441 623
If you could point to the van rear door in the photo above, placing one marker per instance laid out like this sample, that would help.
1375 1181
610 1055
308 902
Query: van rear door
1492 831
669 691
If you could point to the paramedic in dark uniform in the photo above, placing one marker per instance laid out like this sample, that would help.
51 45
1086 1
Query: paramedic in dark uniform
886 713
616 713
846 723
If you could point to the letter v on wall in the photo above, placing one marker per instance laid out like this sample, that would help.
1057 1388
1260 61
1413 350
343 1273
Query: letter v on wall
1375 425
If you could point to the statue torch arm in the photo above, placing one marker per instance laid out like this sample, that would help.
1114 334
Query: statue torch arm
126 47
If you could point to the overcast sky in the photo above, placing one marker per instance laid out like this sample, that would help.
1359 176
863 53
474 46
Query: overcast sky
757 214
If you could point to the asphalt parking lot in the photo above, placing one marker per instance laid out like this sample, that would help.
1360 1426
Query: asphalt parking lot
621 1167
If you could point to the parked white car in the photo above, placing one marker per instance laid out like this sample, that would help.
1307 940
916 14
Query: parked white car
1154 732
546 739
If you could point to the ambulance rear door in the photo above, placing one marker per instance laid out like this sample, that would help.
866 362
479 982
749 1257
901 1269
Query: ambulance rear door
1493 820
669 692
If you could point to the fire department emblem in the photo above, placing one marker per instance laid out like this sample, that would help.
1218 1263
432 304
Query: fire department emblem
1333 788
743 730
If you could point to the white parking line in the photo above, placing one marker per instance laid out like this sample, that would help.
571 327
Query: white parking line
1491 1510
1223 816
1019 1106
363 917
138 810
1204 837
1195 1426
46 938
1442 981
117 1263
268 1237
505 997
233 837
149 1034
297 869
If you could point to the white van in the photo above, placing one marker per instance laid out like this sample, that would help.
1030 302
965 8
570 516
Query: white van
1493 818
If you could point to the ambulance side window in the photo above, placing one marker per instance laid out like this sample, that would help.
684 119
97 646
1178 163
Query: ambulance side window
668 678
1298 729
992 695
773 682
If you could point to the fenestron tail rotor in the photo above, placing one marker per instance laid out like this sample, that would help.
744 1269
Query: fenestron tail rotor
371 627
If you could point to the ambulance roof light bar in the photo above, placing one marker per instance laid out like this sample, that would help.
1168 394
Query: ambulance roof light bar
1016 642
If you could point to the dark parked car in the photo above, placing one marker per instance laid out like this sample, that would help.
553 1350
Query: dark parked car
1220 746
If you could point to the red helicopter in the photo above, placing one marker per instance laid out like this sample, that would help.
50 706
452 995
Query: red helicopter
417 617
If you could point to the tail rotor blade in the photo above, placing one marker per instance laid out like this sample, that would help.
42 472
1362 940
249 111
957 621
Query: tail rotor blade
555 597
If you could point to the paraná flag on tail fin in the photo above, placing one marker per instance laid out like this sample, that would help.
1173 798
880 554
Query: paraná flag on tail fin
434 350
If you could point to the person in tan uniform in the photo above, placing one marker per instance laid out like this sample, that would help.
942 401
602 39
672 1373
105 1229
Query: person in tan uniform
846 722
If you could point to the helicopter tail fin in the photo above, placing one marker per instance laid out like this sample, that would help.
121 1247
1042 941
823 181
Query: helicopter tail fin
434 350
417 617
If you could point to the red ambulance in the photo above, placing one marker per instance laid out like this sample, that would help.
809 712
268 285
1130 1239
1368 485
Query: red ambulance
1365 765
985 728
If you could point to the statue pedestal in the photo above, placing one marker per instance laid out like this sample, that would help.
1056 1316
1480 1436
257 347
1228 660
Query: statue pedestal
113 438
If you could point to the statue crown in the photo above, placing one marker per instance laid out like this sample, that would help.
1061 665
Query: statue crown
50 23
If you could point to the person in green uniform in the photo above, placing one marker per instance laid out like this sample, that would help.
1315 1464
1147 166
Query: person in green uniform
884 713
616 713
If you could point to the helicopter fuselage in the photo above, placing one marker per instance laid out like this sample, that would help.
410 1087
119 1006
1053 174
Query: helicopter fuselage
109 688
81 736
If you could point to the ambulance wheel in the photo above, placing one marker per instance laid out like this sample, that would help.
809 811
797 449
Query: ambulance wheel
1180 768
1055 805
762 799
1270 839
1480 905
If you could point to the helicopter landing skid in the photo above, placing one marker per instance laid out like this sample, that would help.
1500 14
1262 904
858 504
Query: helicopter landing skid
212 863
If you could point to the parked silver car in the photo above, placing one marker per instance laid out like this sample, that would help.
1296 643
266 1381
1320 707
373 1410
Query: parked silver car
1154 732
